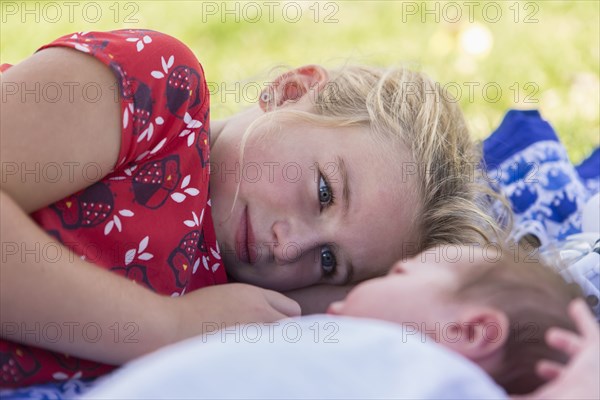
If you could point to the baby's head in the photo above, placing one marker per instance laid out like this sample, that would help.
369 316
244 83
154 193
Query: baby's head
492 306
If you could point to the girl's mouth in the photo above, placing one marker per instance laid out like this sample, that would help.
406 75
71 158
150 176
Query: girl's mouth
244 240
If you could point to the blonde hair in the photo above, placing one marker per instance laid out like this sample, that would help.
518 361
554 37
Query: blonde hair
406 107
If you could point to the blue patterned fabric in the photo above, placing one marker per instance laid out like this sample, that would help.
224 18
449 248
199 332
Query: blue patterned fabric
70 389
588 171
526 161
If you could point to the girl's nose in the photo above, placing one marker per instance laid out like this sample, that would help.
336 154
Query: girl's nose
293 240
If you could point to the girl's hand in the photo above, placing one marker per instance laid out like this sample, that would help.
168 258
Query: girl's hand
579 379
217 307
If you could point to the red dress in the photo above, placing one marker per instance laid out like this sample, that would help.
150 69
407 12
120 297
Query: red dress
149 219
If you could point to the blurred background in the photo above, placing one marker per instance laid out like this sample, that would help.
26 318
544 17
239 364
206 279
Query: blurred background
491 55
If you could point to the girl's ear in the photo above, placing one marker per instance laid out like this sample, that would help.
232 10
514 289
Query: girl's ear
294 85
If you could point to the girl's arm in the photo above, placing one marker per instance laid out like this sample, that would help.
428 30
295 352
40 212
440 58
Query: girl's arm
39 293
58 135
72 132
66 135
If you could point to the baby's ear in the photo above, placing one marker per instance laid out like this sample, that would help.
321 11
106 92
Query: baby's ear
480 333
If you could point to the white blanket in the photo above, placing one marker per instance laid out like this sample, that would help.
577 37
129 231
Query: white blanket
315 357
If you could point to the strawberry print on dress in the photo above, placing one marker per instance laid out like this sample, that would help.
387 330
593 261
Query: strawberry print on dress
149 219
155 181
87 209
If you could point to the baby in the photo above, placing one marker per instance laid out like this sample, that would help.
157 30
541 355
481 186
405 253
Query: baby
493 306
491 309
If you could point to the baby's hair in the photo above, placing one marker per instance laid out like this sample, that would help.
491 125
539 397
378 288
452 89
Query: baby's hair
534 298
400 106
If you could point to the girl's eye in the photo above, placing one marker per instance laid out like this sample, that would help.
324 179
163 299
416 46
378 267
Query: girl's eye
328 262
325 193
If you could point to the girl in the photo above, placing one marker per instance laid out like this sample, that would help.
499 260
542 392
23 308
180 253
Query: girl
329 179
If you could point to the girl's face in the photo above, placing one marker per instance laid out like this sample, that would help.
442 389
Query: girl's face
315 204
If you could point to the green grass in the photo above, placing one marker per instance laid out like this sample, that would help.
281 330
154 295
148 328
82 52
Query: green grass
555 60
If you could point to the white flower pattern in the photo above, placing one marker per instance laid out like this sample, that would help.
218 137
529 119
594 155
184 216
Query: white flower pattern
139 253
192 124
140 42
149 131
116 221
191 191
165 65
